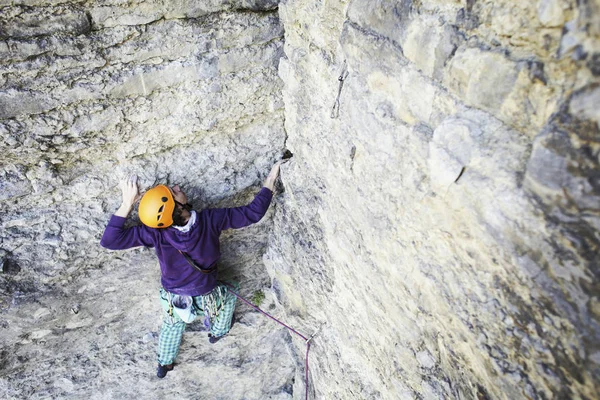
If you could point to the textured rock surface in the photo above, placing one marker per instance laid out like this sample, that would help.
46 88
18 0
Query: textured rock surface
177 92
440 222
445 225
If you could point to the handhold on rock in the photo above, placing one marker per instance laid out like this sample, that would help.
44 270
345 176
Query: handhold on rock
287 155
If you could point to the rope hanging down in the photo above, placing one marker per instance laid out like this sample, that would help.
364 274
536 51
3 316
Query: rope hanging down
306 340
335 110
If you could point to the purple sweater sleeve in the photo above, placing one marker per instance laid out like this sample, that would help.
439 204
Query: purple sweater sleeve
116 237
239 217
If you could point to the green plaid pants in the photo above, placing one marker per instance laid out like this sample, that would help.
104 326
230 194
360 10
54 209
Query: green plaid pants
219 305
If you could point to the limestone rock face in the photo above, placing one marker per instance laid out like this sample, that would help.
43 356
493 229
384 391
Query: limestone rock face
175 92
438 220
443 220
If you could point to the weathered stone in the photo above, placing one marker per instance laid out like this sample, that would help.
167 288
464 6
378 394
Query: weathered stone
466 19
387 18
19 22
439 218
258 5
425 359
504 88
13 103
14 183
429 45
79 112
593 64
569 40
552 12
418 212
451 151
588 12
585 104
481 78
145 12
563 174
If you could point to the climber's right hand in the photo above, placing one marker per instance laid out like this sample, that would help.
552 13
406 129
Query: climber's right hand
129 192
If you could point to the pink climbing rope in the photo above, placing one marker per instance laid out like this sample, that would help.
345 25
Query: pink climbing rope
281 323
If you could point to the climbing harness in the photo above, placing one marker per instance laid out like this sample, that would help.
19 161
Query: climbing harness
306 340
210 305
335 110
213 302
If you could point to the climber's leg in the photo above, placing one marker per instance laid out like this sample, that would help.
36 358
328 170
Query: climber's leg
221 323
171 333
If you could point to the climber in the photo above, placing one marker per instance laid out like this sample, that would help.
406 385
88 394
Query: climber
187 246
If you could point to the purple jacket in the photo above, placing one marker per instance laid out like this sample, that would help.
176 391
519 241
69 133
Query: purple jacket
201 243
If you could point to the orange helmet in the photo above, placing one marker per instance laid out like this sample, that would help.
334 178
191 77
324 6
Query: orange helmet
156 207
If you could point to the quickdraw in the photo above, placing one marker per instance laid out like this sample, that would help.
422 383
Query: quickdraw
213 302
335 110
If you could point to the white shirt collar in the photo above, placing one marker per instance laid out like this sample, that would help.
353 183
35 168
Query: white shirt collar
189 224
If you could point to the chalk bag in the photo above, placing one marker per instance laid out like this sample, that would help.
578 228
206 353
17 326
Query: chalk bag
184 307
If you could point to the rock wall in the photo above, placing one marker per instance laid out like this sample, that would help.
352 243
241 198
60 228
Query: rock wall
438 220
90 91
442 222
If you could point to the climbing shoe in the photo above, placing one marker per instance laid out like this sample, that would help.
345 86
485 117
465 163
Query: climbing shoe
162 370
214 339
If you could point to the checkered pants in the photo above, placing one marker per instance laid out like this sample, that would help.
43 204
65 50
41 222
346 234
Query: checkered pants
219 305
